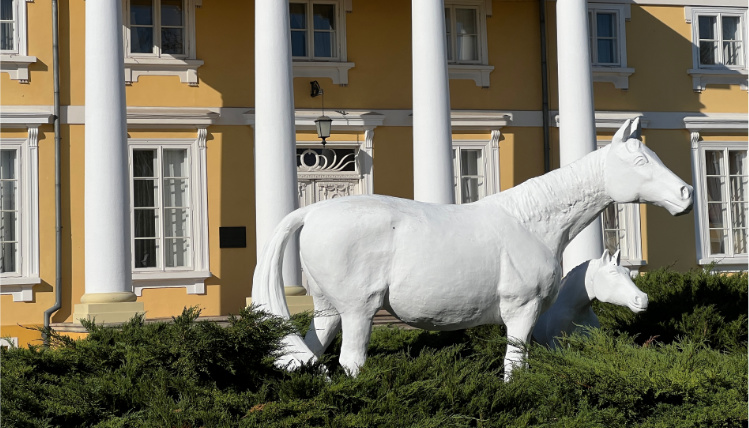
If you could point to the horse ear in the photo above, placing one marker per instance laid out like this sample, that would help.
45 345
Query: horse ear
636 129
623 133
605 257
617 258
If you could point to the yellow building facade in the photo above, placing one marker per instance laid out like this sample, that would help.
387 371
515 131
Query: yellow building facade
189 68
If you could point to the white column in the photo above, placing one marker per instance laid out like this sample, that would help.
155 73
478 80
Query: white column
275 137
577 128
432 140
107 195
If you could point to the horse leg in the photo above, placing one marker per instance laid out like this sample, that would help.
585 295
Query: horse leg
519 329
357 328
325 324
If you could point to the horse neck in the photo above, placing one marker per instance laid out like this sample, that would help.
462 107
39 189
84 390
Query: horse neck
557 206
576 289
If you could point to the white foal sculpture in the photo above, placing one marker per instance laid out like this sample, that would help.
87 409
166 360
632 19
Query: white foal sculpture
603 279
450 267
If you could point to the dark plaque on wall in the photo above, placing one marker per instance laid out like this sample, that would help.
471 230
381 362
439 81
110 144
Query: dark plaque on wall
232 237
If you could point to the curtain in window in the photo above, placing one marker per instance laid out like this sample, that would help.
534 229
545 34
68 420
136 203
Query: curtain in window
7 39
716 209
8 210
176 208
298 17
466 30
732 48
323 17
739 198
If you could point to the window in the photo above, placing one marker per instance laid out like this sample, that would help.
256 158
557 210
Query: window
13 51
621 231
313 31
465 35
168 214
723 198
318 39
608 47
159 38
718 46
19 217
475 173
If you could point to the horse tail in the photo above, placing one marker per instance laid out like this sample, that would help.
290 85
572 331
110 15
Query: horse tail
268 286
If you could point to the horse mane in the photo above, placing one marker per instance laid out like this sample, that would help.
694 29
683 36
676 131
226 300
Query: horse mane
576 272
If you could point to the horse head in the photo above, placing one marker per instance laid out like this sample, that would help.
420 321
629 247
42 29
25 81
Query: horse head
634 173
611 283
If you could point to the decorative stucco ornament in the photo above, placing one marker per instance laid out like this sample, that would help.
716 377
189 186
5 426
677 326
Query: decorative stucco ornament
603 279
449 267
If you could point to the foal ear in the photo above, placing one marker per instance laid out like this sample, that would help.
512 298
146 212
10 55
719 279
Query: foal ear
605 257
623 133
636 129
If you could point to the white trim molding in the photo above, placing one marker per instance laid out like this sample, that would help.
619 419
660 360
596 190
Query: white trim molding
617 73
613 119
479 119
171 117
477 73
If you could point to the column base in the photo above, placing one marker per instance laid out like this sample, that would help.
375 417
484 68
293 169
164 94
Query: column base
107 313
296 300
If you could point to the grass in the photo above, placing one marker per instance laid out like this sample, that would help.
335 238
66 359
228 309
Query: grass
191 373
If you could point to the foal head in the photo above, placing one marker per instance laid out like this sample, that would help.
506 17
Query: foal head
634 173
611 283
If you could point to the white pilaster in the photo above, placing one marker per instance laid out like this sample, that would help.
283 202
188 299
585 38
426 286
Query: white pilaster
432 139
577 130
107 193
275 137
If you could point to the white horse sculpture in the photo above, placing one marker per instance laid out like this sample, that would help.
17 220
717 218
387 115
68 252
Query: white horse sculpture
449 267
603 279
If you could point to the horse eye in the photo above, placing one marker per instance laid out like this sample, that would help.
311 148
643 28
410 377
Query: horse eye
641 160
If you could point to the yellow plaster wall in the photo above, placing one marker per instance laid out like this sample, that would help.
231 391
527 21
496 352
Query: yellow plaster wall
392 156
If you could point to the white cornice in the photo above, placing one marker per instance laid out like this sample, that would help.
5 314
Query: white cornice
717 122
613 119
171 116
476 119
25 116
708 3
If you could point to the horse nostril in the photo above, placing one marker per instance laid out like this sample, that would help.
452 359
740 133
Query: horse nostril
686 192
637 300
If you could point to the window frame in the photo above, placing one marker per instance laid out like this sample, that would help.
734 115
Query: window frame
185 66
717 12
631 225
20 282
702 230
191 277
616 73
16 62
490 168
478 70
340 41
708 74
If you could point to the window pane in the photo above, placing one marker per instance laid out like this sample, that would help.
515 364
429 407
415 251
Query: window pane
731 28
715 187
607 51
718 240
171 13
141 40
172 41
732 53
175 163
8 164
8 226
176 222
738 163
739 241
467 47
465 21
145 223
298 15
324 44
708 52
8 258
448 28
141 12
175 192
605 25
144 163
144 193
298 43
738 215
470 190
6 10
8 191
739 189
469 162
323 16
707 27
176 252
716 213
145 253
6 36
714 162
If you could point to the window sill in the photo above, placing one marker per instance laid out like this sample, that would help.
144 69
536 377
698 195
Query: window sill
477 73
192 281
336 71
20 287
725 264
619 76
701 77
186 69
17 66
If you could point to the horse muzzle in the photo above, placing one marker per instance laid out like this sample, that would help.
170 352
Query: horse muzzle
680 204
639 303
